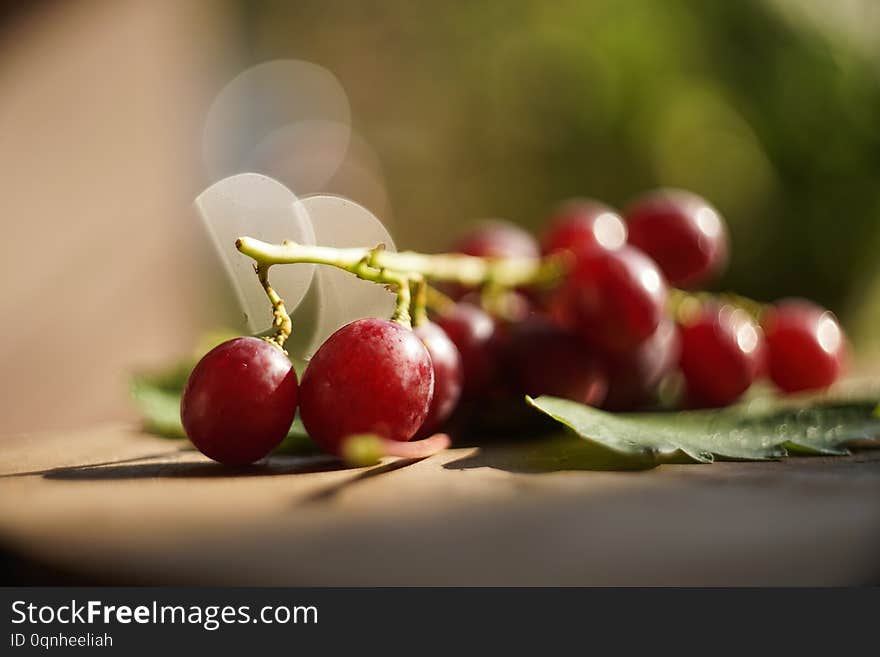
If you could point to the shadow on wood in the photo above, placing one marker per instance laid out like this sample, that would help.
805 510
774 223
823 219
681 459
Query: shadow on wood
62 469
551 454
278 465
328 493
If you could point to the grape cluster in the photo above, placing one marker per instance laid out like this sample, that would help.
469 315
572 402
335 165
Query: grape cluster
621 320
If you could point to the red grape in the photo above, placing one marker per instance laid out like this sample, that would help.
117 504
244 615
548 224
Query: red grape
370 376
682 232
720 355
615 299
633 377
547 360
495 238
239 401
474 333
583 223
448 377
806 346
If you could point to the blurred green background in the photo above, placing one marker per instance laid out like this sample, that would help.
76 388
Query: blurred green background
769 109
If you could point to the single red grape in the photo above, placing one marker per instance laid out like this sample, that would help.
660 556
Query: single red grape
370 376
682 232
545 359
583 223
615 299
633 377
720 355
495 238
239 401
474 333
806 346
448 376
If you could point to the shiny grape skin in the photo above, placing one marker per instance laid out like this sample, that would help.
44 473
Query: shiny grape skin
544 359
475 334
685 235
448 376
614 299
239 401
583 223
633 377
806 347
721 351
372 376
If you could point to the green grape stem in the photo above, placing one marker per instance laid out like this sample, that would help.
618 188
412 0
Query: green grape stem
684 305
407 271
408 274
280 317
451 267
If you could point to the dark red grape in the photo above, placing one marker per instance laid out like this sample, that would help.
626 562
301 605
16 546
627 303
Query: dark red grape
473 331
615 299
544 359
239 401
633 377
448 376
683 233
720 355
372 376
806 347
583 223
494 238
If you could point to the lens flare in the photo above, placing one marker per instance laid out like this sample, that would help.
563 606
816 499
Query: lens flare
255 205
275 111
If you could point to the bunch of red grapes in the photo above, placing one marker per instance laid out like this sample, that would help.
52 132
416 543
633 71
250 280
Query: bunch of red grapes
604 336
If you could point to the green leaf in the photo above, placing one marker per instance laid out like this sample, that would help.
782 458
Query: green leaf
158 405
297 442
759 430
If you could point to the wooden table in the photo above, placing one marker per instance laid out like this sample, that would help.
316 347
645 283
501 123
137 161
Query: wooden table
113 505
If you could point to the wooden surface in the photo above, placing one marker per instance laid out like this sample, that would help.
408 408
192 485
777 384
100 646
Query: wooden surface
113 505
